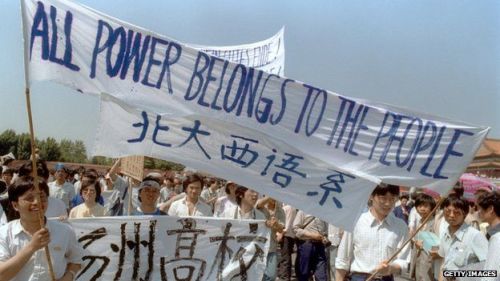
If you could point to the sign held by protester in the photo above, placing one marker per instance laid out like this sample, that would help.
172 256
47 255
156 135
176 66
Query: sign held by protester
157 74
133 166
172 248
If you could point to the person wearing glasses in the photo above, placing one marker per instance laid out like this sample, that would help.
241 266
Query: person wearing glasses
460 243
90 191
22 257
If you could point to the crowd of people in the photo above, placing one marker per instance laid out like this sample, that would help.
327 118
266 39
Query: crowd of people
461 234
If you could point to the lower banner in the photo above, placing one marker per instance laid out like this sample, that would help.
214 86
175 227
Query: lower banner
171 248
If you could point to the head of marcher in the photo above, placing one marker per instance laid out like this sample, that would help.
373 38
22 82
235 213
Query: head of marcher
424 204
7 175
455 210
90 191
383 199
149 192
246 198
231 189
25 199
60 173
489 207
192 185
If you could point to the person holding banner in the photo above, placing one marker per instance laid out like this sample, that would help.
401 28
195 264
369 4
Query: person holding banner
191 205
149 192
377 235
22 241
312 243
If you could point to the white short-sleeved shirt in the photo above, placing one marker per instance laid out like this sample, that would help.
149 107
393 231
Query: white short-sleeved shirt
179 208
221 205
467 245
64 248
493 257
65 192
372 242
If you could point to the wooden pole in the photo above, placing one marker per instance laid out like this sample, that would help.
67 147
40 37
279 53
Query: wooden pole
41 217
129 209
422 224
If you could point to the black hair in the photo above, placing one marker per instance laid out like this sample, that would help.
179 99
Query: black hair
383 189
490 199
457 202
404 196
42 170
97 186
8 171
240 192
191 179
24 184
425 199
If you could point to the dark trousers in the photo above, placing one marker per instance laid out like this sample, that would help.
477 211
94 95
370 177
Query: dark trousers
311 259
285 261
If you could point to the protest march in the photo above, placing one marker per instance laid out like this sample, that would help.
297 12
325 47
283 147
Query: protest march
285 180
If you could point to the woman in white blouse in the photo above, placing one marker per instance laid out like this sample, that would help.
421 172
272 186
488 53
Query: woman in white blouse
90 191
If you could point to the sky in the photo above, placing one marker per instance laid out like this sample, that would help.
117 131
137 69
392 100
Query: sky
436 57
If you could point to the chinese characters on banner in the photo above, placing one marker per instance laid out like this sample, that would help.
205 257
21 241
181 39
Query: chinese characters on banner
168 248
235 153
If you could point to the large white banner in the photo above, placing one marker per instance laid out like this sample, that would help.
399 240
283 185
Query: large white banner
267 55
94 53
240 154
170 248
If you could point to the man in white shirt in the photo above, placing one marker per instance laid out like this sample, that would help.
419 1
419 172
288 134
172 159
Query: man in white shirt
191 205
60 188
461 244
22 241
376 237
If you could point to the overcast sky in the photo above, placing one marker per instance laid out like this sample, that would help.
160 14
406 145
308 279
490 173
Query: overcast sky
438 57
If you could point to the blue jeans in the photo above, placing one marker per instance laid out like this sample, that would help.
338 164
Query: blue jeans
363 277
271 267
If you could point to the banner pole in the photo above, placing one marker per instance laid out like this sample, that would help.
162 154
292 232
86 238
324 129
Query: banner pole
35 180
129 209
422 224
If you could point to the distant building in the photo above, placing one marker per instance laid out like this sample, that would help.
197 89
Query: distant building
487 160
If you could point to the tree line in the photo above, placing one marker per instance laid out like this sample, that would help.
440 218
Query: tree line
66 150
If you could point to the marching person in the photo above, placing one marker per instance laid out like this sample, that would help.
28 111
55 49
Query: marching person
22 241
461 244
312 241
489 211
90 191
148 194
60 188
191 205
376 237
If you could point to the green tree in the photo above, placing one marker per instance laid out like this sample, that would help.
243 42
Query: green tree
49 150
8 142
79 152
65 146
23 147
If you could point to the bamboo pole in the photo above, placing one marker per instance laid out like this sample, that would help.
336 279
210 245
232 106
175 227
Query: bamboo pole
422 224
35 180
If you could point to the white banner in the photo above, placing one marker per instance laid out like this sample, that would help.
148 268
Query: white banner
235 153
161 247
267 55
94 53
